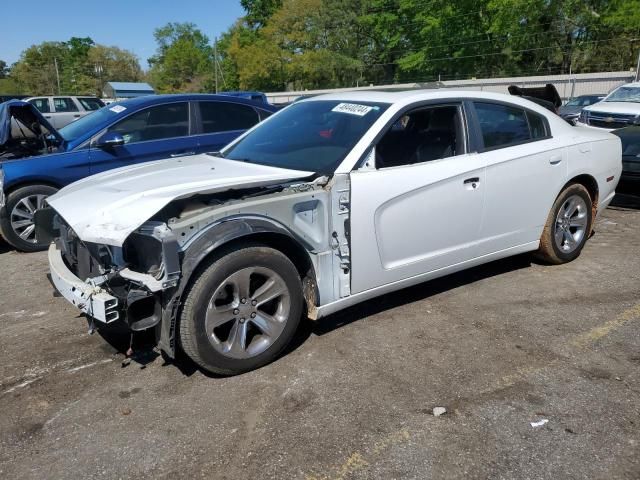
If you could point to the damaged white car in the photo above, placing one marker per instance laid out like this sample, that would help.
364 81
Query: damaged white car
331 201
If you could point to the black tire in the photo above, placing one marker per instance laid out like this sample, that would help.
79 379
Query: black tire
8 233
549 251
193 335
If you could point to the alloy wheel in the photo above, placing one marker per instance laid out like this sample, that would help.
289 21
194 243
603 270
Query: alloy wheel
571 224
247 312
21 216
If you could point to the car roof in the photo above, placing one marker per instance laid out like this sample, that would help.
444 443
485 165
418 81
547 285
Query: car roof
149 100
410 96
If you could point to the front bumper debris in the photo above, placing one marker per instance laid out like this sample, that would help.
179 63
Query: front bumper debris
90 299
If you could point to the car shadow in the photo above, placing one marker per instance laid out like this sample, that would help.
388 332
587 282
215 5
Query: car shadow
145 349
627 198
4 246
119 340
419 292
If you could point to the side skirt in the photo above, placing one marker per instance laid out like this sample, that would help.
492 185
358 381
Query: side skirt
343 303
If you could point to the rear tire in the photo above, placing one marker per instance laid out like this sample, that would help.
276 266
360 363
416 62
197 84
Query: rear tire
242 310
568 226
16 218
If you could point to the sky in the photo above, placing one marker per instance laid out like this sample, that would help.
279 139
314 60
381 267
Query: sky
127 24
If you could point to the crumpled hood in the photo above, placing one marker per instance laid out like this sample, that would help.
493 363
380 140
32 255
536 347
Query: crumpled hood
105 208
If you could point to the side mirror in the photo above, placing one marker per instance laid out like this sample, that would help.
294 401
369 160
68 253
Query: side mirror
110 140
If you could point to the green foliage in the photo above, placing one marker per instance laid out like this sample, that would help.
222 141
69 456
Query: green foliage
183 61
259 11
82 67
325 43
4 69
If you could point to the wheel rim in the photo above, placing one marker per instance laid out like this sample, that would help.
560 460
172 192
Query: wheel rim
22 222
247 312
571 224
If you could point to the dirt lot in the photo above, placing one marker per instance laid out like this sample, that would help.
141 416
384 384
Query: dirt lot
499 346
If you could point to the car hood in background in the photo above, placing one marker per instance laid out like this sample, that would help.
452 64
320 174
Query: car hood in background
106 208
632 108
570 110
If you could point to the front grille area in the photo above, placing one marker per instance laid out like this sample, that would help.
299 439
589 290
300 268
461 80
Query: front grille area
609 120
604 124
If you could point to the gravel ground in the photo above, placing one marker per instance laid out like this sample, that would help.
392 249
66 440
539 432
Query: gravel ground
499 346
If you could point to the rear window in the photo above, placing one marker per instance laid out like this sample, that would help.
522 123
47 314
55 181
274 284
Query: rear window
226 116
90 104
537 124
505 125
64 104
502 125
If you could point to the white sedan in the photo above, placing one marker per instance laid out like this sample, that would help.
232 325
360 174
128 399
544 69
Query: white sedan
331 201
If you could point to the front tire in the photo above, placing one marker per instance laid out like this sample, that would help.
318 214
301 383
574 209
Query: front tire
16 220
242 310
568 226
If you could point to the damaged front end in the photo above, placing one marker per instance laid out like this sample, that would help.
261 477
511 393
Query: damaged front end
110 283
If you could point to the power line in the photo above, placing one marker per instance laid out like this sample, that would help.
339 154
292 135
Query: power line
449 58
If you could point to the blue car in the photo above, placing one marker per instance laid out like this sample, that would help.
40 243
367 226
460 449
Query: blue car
36 160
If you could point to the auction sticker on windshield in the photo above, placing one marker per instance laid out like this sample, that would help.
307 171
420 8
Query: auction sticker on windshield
118 108
352 108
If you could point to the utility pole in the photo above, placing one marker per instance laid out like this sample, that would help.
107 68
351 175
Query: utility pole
215 60
55 62
638 68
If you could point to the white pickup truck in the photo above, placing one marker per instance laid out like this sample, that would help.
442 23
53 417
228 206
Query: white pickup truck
62 110
619 109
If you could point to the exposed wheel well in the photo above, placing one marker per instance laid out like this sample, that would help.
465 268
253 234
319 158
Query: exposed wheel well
285 244
590 183
28 183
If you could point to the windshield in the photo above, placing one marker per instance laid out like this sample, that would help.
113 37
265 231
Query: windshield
313 136
583 101
625 94
76 129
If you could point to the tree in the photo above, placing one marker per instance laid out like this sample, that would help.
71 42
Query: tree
4 69
259 11
35 73
183 61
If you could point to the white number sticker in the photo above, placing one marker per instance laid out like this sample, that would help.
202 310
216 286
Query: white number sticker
118 108
352 108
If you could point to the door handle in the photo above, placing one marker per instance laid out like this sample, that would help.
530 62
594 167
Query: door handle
47 116
181 154
473 182
77 115
556 159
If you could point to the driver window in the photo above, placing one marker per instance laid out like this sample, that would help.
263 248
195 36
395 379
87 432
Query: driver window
422 135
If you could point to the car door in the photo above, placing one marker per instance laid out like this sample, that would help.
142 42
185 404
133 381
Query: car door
64 112
157 132
526 168
417 212
221 122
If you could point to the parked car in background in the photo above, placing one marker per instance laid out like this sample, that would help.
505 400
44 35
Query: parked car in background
6 98
571 110
255 96
125 133
334 200
630 137
619 109
61 110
